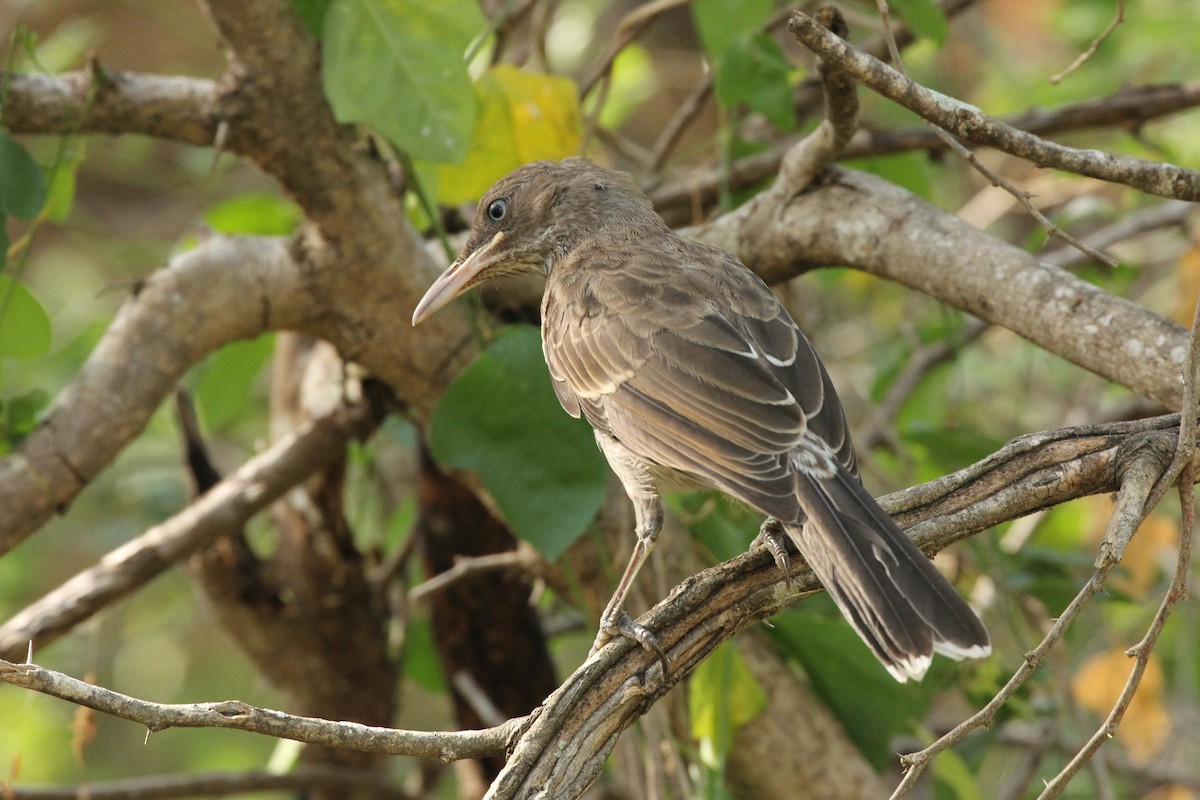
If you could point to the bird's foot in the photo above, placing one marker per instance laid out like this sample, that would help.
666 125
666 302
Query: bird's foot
624 625
772 536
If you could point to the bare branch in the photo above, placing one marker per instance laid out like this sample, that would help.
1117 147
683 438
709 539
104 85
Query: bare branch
226 507
237 715
1127 108
971 124
216 784
1117 19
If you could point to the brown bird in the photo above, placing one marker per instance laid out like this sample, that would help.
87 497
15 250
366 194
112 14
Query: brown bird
692 373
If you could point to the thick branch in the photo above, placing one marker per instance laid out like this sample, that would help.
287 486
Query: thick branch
864 222
102 100
613 689
971 124
225 289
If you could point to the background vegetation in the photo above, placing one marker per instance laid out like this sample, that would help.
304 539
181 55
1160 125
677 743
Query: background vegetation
303 184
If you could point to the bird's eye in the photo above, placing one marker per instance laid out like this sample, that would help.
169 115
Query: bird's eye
497 209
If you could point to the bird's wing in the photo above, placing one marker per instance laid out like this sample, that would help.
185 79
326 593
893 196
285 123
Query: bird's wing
690 362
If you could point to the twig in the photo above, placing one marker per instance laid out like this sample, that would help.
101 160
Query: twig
1180 469
920 363
237 715
1128 107
523 558
1023 197
1094 46
972 125
1163 215
214 784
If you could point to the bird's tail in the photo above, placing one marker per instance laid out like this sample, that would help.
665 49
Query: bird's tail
889 591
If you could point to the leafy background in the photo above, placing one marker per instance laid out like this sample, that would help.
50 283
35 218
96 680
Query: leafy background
85 216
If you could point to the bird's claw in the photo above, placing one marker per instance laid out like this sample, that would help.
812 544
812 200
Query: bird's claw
771 536
626 626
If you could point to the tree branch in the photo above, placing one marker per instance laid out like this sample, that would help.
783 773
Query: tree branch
103 100
971 124
226 507
225 289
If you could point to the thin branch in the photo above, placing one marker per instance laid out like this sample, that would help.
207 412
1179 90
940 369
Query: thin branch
1180 469
802 163
971 124
225 508
1082 58
524 558
1127 108
236 715
920 363
1164 215
1023 197
214 784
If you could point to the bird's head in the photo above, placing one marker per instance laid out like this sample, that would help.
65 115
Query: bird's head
531 218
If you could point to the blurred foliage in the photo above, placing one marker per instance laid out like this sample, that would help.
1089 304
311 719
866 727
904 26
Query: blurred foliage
82 216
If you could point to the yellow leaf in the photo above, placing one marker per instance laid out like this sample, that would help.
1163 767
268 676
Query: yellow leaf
1152 546
522 117
1099 682
1188 271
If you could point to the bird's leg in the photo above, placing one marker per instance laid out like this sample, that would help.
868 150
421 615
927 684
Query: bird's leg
649 513
772 536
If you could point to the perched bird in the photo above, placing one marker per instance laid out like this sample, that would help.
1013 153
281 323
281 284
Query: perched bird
692 373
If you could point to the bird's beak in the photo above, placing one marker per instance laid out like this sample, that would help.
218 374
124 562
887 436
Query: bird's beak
457 278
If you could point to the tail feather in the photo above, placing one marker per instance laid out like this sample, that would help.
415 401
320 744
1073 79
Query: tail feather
897 601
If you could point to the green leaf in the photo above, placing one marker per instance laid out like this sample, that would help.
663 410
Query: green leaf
313 14
23 189
255 214
720 22
501 418
951 770
60 197
397 65
878 708
24 323
523 117
925 18
223 390
753 71
20 413
722 696
421 662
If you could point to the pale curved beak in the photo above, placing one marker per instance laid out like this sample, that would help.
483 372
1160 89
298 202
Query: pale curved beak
457 278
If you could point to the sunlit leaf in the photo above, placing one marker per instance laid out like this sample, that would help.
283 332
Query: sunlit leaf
256 214
60 198
1098 683
523 116
397 65
722 696
500 418
24 323
23 187
954 774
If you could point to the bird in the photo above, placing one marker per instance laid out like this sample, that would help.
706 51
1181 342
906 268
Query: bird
693 374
